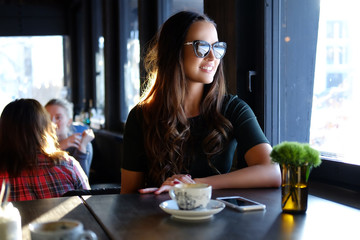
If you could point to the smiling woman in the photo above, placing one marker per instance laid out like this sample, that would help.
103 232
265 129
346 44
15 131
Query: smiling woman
187 125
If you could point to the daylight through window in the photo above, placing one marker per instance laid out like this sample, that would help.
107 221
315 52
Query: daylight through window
335 113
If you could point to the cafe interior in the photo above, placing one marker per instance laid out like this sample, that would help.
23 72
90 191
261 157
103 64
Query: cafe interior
293 62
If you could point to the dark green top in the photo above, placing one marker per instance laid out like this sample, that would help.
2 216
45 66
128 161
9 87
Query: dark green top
246 133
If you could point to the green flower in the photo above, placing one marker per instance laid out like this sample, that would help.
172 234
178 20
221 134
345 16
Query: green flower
295 154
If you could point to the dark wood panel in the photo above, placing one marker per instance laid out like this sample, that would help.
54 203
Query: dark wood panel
19 18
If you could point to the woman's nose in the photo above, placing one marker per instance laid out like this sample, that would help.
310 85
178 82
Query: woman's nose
211 55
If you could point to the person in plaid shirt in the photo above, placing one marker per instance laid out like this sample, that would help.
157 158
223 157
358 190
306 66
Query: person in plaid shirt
30 157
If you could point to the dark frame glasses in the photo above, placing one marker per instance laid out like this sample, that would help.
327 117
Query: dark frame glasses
202 48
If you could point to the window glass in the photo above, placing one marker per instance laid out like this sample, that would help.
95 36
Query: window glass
335 116
31 67
170 7
97 116
132 62
186 5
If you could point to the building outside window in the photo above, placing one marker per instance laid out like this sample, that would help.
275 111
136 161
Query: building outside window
335 116
31 67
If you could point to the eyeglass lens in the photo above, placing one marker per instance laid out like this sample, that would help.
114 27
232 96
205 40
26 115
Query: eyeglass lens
202 49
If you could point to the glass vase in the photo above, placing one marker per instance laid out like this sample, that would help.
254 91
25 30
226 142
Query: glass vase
294 188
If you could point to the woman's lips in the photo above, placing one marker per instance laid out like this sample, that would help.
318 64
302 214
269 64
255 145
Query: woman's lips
207 68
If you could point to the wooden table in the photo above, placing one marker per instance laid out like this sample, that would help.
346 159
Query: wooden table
55 209
135 216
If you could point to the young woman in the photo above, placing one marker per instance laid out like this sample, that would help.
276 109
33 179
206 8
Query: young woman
77 145
30 159
186 128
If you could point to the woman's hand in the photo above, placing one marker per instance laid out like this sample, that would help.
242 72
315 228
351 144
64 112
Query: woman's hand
72 141
169 182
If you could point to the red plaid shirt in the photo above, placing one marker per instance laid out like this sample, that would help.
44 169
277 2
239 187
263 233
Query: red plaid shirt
49 181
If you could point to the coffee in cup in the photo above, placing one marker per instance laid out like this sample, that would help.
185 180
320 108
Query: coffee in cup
191 196
65 229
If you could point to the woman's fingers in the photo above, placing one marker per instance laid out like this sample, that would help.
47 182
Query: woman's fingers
147 190
183 178
169 183
187 178
163 188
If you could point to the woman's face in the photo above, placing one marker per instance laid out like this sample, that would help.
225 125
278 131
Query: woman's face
59 116
200 70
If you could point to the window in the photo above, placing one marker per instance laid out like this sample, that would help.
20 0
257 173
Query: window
334 28
335 118
130 57
188 5
318 73
31 67
97 118
309 98
132 62
170 7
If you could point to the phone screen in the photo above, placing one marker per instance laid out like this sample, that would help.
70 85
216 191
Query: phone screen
239 202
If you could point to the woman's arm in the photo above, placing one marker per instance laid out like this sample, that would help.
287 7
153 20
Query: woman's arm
131 181
261 172
134 159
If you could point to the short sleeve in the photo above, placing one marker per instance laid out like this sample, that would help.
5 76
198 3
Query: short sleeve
247 130
134 150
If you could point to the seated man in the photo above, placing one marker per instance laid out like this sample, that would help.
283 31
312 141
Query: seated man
77 144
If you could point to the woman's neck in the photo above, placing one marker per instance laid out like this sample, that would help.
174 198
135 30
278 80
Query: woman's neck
193 99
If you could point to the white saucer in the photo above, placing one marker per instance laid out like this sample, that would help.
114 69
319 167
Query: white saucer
213 207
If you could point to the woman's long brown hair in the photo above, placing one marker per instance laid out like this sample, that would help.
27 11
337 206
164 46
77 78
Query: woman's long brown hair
25 131
166 127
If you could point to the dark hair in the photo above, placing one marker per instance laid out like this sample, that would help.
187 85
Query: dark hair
167 129
25 131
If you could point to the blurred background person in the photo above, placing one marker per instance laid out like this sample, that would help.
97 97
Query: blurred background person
76 144
30 157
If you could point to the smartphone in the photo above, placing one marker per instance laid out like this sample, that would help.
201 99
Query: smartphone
241 204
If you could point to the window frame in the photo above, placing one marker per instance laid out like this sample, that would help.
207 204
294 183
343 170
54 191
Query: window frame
330 171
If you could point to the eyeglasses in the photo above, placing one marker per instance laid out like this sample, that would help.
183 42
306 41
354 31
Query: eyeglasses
202 48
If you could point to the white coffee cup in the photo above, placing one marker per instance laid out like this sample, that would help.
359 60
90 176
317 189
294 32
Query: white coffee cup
65 229
191 196
10 223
